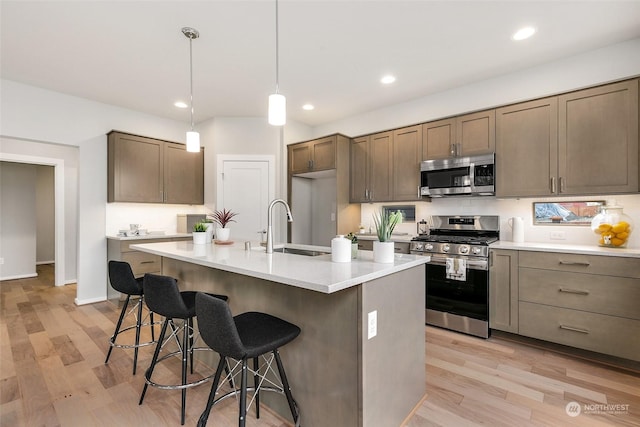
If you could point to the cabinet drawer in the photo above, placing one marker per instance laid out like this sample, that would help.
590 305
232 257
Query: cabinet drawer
590 264
142 262
617 296
401 247
365 245
590 331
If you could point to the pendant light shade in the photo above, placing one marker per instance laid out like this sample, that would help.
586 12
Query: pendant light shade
277 109
193 137
277 101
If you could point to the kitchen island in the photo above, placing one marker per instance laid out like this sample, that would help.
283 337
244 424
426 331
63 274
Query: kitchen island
342 371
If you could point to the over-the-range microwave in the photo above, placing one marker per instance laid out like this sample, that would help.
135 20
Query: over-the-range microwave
458 176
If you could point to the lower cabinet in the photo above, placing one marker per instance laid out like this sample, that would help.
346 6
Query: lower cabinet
399 247
583 301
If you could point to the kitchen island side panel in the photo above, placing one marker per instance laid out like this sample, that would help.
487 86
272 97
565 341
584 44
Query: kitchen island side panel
337 376
322 364
393 361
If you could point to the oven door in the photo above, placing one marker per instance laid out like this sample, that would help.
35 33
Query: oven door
469 297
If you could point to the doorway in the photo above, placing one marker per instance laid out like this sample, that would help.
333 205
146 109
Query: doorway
246 184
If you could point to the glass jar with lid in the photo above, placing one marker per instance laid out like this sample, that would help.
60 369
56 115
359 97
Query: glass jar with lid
612 226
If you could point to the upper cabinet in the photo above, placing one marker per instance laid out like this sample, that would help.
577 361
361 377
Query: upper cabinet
581 143
371 168
598 140
147 170
312 156
465 135
527 148
407 150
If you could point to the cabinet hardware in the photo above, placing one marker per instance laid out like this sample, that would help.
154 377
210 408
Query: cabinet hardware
571 328
490 259
578 263
573 291
561 185
147 262
553 184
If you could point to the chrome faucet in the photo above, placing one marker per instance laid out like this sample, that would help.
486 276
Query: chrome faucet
270 222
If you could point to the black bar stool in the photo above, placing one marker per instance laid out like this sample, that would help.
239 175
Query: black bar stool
122 280
242 338
164 298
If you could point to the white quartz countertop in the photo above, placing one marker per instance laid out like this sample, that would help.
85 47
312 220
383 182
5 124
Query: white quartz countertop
566 248
316 273
150 236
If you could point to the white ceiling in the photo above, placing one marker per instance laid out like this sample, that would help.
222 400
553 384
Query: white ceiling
332 52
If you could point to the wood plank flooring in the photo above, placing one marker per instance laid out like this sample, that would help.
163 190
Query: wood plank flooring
52 373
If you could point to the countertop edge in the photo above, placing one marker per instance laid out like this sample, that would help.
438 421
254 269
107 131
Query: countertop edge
151 236
566 248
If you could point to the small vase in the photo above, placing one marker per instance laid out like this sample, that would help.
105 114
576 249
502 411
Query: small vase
209 231
222 234
199 237
354 250
383 252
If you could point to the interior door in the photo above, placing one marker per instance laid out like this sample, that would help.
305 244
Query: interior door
246 189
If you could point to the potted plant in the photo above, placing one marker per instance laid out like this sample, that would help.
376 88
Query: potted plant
209 225
354 245
385 222
222 218
199 233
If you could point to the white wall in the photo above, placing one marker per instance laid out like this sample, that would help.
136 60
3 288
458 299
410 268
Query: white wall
18 220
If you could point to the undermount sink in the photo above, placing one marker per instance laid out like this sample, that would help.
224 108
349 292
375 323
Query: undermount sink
297 251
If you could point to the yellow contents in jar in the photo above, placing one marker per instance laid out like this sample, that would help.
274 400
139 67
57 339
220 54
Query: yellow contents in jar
615 235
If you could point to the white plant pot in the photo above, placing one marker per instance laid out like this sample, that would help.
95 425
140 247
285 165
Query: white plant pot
199 237
383 252
222 234
210 228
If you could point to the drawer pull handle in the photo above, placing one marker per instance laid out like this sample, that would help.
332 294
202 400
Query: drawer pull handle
582 264
571 328
573 291
147 262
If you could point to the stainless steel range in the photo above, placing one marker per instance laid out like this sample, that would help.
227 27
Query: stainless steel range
458 273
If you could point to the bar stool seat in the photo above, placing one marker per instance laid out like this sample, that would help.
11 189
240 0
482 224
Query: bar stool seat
247 336
164 298
122 280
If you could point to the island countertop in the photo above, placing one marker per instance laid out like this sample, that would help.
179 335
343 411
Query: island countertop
315 273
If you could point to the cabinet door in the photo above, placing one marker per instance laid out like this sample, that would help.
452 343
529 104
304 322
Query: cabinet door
323 154
476 133
438 139
299 158
134 169
598 140
359 169
183 175
381 173
407 148
503 290
526 147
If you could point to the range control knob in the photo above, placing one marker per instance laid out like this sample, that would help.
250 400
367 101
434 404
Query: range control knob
418 246
464 249
445 247
428 247
476 250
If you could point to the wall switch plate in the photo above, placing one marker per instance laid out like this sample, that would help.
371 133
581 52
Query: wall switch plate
558 235
372 322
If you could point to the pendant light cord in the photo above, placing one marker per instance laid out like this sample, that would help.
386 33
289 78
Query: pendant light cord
277 53
191 76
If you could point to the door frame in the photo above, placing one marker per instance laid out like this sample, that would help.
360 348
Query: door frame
58 166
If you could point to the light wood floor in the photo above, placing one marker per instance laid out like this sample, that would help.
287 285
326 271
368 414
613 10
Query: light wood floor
52 373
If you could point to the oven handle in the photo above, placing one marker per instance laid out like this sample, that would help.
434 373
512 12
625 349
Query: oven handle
472 264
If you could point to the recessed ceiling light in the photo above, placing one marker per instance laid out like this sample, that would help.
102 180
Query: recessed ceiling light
180 104
308 107
523 33
387 80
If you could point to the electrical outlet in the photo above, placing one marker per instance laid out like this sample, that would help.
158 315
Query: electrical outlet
558 235
372 324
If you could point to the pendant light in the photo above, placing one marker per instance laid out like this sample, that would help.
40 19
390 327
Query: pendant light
193 137
277 101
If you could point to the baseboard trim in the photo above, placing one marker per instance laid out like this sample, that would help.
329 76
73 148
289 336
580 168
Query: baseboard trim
89 300
45 262
19 276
